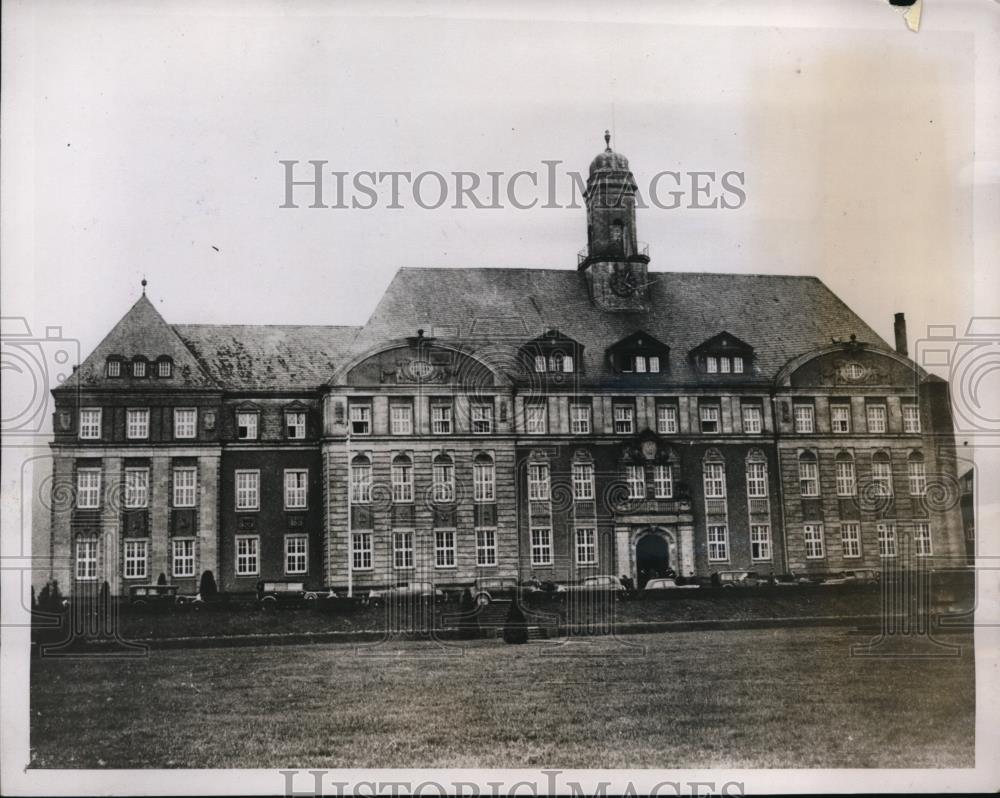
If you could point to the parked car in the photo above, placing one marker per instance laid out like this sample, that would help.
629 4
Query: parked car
486 590
863 576
158 596
655 585
739 579
603 583
274 593
407 590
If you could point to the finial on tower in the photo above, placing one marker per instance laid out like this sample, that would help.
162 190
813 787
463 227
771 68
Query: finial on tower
143 283
607 141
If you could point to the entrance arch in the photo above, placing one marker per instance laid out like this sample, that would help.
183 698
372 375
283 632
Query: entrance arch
652 558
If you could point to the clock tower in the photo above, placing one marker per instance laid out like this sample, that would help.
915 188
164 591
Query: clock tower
614 263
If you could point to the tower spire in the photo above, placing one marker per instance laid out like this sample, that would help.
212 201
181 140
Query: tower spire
143 284
607 141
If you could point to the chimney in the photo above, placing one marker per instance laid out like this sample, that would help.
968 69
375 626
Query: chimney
899 327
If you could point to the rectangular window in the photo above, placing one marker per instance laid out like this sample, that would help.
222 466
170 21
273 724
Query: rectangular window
484 482
90 423
715 481
247 555
402 550
361 483
666 419
163 368
760 542
88 488
444 548
401 418
846 482
882 478
808 478
718 543
441 419
886 539
534 419
540 363
136 559
246 426
850 539
712 364
813 535
804 421
136 488
922 539
724 365
580 419
737 365
918 478
361 551
709 418
486 547
586 546
482 419
402 482
444 482
911 418
247 490
114 368
138 368
663 481
137 423
753 420
538 482
185 486
840 418
635 478
654 364
296 489
361 419
185 422
624 419
182 557
86 559
876 417
639 364
296 554
541 546
583 481
295 425
757 480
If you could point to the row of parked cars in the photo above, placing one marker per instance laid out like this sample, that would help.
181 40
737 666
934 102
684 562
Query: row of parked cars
272 594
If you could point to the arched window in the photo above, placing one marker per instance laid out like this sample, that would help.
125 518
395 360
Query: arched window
402 478
164 367
114 366
484 478
139 367
917 474
882 473
361 480
444 479
847 483
808 474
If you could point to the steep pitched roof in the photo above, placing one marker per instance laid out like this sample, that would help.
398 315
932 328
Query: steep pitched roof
268 357
141 331
779 316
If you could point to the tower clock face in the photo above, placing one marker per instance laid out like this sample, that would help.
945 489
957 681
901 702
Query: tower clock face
624 282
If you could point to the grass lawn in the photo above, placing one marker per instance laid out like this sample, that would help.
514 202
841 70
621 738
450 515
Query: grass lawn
748 698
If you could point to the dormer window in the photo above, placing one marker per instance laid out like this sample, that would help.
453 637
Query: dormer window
723 354
114 367
553 353
164 367
139 367
639 354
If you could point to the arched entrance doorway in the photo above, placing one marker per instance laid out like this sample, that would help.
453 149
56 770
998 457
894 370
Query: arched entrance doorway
652 558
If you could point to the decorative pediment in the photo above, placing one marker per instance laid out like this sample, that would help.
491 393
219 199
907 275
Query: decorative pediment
639 353
722 354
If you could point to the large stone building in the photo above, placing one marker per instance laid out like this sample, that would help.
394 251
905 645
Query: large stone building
552 423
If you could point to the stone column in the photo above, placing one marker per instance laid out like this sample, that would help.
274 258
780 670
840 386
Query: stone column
686 533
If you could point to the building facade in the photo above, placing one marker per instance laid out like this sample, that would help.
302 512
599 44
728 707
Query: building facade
520 423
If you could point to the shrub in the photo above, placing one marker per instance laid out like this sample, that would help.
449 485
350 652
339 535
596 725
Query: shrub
162 580
207 587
